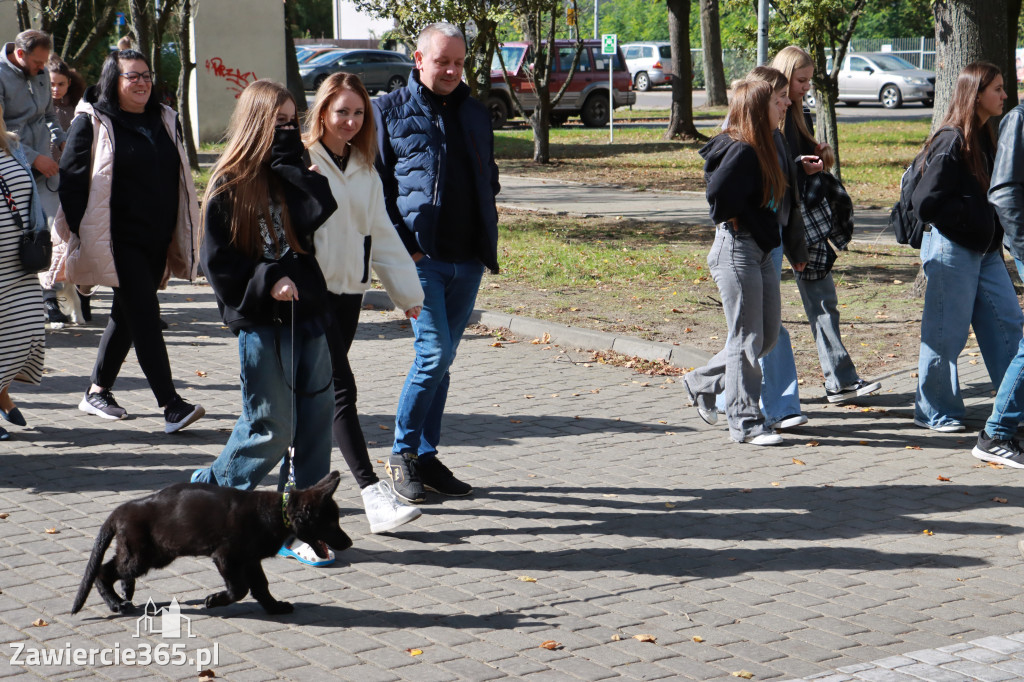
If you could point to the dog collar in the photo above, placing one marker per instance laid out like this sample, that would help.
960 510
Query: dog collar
284 509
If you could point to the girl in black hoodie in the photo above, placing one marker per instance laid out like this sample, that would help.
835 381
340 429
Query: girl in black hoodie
260 211
750 198
962 252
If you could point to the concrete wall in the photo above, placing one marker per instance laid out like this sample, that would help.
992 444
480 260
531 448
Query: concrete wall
9 20
233 44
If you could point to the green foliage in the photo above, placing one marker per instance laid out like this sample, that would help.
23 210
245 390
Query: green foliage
896 19
312 19
637 20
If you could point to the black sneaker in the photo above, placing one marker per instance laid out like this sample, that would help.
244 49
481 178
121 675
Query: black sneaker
178 414
1006 452
437 477
403 469
54 316
102 404
854 390
86 303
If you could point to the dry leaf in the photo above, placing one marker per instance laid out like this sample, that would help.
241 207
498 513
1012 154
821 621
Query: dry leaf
995 466
646 638
698 639
551 645
527 579
744 674
1000 500
497 344
776 483
527 396
616 637
40 623
943 478
383 427
799 462
669 505
52 531
811 444
531 475
516 421
207 674
415 652
912 447
4 515
927 532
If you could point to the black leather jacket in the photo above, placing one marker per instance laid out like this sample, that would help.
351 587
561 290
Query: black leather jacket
1006 191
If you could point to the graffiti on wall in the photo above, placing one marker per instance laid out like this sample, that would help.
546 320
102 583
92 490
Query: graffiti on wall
236 80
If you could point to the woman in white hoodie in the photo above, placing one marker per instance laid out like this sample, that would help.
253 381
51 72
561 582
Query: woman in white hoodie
358 236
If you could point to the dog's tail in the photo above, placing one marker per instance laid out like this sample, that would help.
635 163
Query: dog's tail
99 548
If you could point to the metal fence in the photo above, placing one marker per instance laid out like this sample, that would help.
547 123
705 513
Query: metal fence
918 51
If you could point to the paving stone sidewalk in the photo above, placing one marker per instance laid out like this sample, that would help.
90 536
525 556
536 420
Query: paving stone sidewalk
865 548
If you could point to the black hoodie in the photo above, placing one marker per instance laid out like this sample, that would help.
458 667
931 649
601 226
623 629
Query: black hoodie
735 190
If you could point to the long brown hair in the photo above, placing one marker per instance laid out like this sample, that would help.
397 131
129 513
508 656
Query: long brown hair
363 142
963 116
790 59
748 122
243 170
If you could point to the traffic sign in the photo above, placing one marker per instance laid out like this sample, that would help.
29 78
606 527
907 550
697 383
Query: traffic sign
609 43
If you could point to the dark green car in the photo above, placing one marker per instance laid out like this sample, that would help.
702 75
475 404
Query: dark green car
378 69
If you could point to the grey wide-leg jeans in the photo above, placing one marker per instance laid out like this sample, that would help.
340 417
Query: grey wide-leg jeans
822 307
749 284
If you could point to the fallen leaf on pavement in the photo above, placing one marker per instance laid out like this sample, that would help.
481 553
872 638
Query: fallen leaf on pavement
551 645
812 444
669 505
207 674
698 639
943 478
200 373
40 623
1000 500
743 673
52 531
415 652
995 466
383 427
776 483
527 579
912 447
4 515
497 344
646 638
516 421
799 462
927 532
616 637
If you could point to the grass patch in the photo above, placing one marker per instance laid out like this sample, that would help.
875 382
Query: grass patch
874 154
650 280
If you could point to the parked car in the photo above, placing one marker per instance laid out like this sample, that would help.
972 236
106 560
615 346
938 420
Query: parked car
886 78
586 96
649 64
378 69
307 53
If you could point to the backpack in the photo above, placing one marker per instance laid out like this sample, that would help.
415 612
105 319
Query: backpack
902 220
906 226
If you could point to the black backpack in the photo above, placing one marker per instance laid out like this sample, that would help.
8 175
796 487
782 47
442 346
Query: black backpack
908 229
902 220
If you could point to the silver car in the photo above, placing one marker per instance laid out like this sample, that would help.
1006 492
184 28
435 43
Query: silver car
380 70
649 63
886 78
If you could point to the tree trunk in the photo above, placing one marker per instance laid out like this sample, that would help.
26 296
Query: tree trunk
540 121
965 31
1009 63
184 81
711 40
141 25
826 88
681 122
478 61
291 63
24 16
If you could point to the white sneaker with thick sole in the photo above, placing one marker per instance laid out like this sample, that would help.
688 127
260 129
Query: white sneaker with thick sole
790 422
765 438
384 510
948 427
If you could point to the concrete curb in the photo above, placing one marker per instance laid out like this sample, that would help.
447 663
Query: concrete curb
676 355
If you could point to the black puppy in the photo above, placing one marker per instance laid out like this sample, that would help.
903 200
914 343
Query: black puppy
237 528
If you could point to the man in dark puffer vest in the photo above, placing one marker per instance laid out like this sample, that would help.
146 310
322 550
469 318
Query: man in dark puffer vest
437 164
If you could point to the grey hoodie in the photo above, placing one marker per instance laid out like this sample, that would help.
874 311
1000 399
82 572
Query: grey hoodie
28 107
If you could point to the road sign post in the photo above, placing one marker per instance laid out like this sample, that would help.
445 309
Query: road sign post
609 48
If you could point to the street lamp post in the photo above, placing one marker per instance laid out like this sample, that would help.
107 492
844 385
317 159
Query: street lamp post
762 32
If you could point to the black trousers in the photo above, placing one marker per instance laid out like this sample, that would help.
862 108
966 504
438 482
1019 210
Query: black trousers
348 434
135 319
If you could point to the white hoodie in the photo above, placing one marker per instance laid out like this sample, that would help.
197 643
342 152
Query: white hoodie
359 235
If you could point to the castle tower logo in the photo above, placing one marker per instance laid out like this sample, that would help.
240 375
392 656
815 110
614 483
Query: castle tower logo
165 621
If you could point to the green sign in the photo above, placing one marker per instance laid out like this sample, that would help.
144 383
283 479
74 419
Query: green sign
609 43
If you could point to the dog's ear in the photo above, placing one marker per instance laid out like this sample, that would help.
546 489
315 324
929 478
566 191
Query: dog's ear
327 485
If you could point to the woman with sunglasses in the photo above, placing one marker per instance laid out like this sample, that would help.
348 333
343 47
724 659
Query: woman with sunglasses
128 214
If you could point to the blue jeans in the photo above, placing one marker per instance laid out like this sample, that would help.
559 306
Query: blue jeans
748 281
449 291
1008 408
822 307
780 392
965 288
262 433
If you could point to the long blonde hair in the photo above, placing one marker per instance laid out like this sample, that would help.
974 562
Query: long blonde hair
7 138
363 142
748 122
243 170
788 60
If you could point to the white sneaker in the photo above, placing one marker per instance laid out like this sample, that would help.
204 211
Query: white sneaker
384 510
790 422
764 438
948 427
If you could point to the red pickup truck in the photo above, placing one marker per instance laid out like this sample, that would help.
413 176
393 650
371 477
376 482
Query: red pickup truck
587 95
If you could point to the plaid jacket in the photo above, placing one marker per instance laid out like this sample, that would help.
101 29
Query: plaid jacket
828 216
